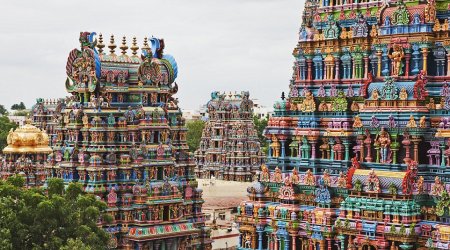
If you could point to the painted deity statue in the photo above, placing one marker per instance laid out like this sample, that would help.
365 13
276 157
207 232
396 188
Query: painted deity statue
308 104
372 182
422 122
411 122
357 123
383 141
342 180
375 95
264 175
277 176
403 94
438 187
396 57
294 177
326 178
420 93
309 178
275 145
420 185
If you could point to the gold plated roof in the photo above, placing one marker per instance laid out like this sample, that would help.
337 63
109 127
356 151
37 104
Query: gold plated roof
27 139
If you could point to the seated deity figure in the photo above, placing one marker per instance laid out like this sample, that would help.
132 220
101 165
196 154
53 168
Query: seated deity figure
357 123
396 57
308 104
383 141
309 178
411 122
437 188
403 94
294 177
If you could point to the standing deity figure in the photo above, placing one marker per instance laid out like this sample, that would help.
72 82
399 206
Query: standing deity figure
375 95
422 122
326 178
420 185
275 145
278 177
383 141
264 175
420 93
396 57
392 123
294 177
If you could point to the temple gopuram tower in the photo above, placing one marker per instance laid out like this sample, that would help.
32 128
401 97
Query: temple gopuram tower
25 155
121 134
359 149
229 148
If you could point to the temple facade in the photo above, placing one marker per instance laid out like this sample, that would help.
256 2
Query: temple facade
121 134
26 154
229 147
359 149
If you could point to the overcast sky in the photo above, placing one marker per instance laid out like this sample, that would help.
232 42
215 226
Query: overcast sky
226 45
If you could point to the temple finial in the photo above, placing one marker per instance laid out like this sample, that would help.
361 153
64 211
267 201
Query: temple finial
124 46
134 47
111 45
100 44
145 47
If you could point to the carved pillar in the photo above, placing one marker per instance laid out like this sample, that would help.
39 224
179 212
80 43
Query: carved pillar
309 63
342 239
259 230
354 69
385 60
369 151
407 60
379 53
276 242
366 66
347 149
442 146
416 140
286 242
294 243
329 243
336 64
331 141
313 148
240 240
425 59
253 240
415 59
448 62
322 244
283 148
269 142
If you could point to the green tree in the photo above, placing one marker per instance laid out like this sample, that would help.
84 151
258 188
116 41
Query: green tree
5 126
64 220
194 134
20 106
3 110
260 125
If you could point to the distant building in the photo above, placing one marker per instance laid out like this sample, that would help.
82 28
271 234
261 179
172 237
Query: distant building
229 147
19 120
262 112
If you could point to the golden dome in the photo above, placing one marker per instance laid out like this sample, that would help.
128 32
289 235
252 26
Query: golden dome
27 139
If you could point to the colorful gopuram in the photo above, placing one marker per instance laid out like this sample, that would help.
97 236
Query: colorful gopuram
26 154
229 147
121 134
359 149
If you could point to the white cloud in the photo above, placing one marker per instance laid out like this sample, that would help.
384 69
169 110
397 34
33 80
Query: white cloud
227 45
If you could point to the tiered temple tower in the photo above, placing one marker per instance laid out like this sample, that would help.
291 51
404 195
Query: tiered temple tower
359 150
229 147
25 155
121 134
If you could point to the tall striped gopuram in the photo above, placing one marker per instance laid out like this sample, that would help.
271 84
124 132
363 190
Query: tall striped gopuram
359 150
121 134
229 147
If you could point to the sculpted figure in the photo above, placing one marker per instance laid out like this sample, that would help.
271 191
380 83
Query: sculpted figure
396 57
383 141
422 122
403 94
411 122
357 123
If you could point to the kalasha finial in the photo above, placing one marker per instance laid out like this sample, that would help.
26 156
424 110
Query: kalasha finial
111 45
124 46
100 44
134 47
145 47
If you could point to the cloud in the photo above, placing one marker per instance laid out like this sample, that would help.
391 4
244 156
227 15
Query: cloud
227 45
